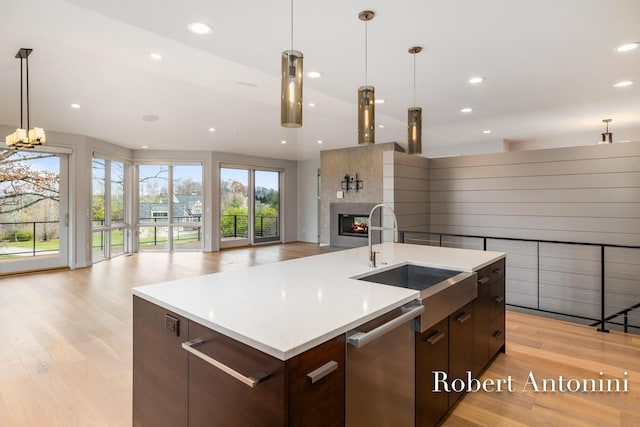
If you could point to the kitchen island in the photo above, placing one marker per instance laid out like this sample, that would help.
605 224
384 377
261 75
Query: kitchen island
265 324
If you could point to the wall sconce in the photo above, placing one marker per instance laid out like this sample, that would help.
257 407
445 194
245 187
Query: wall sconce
352 183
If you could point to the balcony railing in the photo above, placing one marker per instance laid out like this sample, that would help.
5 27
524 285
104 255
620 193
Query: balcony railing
29 238
237 226
620 285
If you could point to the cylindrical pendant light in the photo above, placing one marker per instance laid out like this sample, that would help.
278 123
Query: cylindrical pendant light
366 95
607 137
291 87
414 114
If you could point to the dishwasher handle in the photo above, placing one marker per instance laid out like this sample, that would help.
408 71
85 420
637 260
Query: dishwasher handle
360 339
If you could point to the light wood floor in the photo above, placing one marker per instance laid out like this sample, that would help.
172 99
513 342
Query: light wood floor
66 350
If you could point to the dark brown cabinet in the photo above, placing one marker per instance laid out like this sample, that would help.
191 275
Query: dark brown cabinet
432 356
460 346
464 341
222 382
488 322
160 366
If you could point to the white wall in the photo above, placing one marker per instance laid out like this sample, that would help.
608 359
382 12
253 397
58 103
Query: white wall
308 201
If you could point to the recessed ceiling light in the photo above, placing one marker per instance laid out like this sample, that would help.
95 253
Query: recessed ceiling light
283 142
155 56
486 131
314 74
212 129
476 80
144 146
200 28
381 126
248 84
150 118
623 83
625 140
311 104
466 110
379 101
319 141
75 106
627 47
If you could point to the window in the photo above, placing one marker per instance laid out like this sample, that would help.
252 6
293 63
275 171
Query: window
109 234
170 207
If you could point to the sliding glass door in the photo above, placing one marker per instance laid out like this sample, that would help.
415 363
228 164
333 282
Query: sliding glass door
33 210
266 207
249 206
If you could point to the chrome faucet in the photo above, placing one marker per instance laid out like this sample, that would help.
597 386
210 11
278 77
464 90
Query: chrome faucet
372 254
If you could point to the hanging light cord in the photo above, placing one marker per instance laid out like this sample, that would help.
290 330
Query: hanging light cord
414 79
27 59
291 24
365 52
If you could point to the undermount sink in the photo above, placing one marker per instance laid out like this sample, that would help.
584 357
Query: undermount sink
411 276
442 291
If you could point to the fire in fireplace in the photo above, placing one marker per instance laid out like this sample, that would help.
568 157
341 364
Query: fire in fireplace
353 225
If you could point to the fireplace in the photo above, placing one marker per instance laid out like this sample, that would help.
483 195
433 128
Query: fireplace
353 224
349 224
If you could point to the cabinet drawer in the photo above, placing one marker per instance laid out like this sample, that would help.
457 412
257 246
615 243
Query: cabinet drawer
217 397
432 354
496 335
316 386
496 298
491 273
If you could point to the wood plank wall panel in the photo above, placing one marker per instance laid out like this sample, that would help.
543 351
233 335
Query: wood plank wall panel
622 273
521 271
581 194
570 279
406 190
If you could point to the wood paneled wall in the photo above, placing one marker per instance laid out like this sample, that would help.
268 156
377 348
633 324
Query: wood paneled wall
581 194
406 190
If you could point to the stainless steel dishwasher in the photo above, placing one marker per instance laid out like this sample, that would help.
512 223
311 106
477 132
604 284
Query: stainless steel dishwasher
381 370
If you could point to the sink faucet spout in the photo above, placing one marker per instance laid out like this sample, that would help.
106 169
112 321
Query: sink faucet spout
372 255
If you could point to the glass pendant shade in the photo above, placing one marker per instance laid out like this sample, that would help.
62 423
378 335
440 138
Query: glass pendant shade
414 128
366 115
291 90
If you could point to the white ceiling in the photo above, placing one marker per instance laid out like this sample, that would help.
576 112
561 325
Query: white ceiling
549 67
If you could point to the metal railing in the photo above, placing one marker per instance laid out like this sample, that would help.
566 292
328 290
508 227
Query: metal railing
602 321
237 226
22 238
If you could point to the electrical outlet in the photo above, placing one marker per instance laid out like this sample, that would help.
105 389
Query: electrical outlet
172 325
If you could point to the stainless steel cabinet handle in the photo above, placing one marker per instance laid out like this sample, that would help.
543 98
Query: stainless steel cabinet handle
463 317
360 339
250 381
322 371
435 337
496 271
499 299
483 280
497 334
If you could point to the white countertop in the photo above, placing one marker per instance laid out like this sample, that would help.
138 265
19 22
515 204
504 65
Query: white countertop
288 307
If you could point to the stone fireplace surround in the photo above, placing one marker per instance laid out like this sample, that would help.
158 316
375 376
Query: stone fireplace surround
336 209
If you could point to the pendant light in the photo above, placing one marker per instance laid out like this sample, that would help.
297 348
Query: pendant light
291 88
414 116
25 137
607 137
366 95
